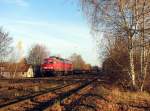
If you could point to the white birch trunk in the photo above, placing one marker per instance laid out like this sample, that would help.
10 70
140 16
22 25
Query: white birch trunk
132 72
131 60
145 66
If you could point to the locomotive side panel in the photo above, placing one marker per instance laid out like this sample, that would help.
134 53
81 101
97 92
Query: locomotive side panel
57 66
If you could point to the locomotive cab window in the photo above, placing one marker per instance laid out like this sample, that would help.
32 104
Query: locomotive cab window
50 62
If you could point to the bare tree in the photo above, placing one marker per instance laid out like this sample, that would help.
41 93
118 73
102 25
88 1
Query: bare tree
36 56
78 62
5 44
127 19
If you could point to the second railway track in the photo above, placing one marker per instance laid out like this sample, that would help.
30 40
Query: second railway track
37 103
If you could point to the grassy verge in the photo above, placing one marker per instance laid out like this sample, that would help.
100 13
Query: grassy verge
131 99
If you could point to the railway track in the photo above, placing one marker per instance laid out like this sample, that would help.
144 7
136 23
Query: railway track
49 79
32 102
70 102
21 98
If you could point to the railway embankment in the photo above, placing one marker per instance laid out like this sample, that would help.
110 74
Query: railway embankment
105 97
69 93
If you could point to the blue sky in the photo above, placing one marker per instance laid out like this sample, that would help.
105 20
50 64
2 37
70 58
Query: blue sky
58 24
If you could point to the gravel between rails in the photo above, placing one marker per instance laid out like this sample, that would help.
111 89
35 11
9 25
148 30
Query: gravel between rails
61 97
71 101
57 94
22 98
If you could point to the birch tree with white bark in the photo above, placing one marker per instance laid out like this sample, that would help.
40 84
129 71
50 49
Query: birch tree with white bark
127 19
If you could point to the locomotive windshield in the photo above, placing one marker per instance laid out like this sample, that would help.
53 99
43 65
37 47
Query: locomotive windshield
48 62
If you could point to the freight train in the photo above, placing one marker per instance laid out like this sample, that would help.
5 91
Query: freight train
56 66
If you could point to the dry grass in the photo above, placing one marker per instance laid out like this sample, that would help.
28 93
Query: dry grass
111 98
122 97
129 98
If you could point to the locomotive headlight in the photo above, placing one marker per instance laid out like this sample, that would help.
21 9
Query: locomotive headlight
45 67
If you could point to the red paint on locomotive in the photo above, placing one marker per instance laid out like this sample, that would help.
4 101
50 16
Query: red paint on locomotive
57 65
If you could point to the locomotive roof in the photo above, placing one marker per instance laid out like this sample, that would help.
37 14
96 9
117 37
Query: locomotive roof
56 57
60 58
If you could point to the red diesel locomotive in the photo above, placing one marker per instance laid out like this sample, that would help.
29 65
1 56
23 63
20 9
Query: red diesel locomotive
56 66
